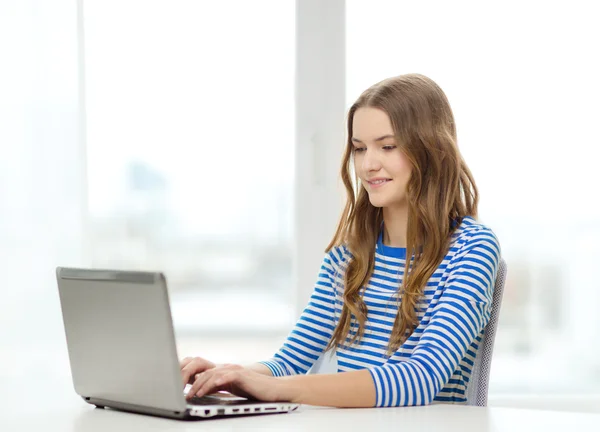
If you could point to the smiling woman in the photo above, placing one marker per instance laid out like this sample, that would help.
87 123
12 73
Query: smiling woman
405 288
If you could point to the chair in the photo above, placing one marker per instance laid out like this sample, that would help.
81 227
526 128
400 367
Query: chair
477 389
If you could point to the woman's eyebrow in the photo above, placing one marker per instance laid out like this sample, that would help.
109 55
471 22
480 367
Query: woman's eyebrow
376 139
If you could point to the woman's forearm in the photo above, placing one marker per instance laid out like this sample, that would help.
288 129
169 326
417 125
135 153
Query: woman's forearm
344 389
260 368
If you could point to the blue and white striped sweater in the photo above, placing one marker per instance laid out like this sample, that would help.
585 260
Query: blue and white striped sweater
435 363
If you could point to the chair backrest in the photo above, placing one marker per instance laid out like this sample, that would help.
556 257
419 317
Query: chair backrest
477 389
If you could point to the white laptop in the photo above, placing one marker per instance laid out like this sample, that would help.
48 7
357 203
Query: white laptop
122 348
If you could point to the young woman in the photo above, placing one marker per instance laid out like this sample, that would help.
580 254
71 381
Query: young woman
405 288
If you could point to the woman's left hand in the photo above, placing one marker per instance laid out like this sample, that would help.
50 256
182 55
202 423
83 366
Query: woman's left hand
239 381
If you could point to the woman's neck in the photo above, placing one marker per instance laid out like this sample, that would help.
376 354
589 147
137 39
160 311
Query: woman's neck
395 221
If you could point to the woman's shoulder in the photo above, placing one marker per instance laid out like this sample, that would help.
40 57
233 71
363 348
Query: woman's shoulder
338 254
472 233
336 259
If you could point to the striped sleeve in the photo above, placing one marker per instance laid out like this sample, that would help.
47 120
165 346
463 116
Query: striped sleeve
457 319
309 337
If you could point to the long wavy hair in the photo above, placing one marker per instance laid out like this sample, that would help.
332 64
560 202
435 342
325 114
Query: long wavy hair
441 191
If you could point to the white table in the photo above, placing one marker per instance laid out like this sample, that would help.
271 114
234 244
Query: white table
83 418
62 410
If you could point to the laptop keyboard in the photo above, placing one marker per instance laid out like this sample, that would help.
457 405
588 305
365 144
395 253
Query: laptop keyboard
215 400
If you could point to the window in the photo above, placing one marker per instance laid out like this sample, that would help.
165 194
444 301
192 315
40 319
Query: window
190 146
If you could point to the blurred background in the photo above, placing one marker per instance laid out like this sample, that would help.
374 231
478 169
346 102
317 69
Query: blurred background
203 139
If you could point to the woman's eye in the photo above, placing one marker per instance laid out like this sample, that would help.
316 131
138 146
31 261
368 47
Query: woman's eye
359 149
389 147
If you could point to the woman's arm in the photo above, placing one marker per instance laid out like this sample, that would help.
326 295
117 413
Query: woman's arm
313 330
305 343
346 389
259 368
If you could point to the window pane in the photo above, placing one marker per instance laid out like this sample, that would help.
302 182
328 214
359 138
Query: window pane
190 138
523 86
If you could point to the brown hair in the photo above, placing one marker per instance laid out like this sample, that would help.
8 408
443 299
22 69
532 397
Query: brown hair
440 192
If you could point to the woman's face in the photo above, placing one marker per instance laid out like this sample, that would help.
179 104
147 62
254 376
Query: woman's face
381 166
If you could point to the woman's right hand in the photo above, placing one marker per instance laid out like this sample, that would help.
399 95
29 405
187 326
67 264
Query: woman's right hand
190 366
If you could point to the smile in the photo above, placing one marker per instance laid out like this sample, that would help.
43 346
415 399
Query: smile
378 183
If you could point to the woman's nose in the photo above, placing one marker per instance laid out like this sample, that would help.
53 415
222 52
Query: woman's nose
371 161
